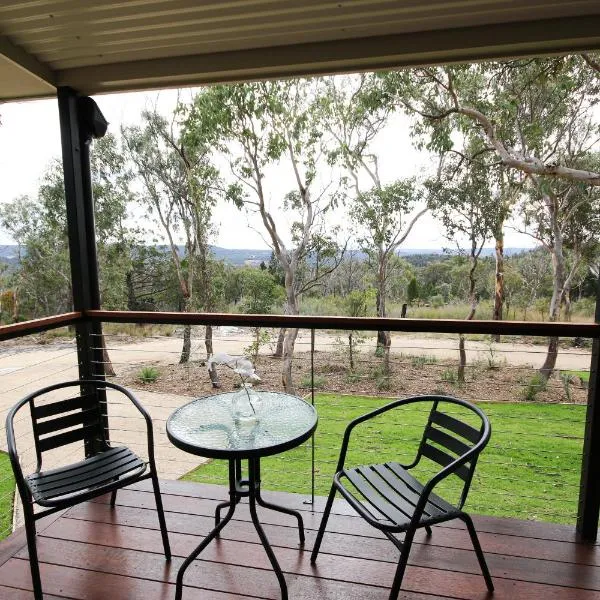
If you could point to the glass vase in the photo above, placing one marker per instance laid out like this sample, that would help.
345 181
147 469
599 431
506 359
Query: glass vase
244 404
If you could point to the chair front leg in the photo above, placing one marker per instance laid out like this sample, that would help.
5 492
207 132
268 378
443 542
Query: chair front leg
402 562
323 525
32 549
161 514
478 551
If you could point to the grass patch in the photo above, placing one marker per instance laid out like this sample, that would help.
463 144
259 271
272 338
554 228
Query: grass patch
583 375
530 469
7 491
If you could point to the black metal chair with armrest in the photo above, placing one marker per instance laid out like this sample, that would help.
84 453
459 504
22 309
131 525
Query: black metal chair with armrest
389 498
105 469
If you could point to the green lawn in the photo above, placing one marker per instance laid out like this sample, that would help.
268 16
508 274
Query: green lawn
7 489
583 375
530 469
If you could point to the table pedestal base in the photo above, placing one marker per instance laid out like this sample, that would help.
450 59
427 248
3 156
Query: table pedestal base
238 489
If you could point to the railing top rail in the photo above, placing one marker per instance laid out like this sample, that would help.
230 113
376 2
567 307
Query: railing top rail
16 330
534 328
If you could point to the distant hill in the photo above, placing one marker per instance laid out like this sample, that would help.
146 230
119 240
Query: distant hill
239 257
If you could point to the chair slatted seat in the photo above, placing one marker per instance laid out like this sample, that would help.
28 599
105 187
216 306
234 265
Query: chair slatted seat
49 488
391 499
392 493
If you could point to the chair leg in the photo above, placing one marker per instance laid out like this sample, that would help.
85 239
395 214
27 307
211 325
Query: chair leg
402 562
428 530
478 551
161 515
325 518
32 549
113 498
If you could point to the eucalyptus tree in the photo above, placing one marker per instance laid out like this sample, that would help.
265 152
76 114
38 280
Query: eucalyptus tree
271 125
464 201
38 225
536 117
356 111
181 186
378 215
564 217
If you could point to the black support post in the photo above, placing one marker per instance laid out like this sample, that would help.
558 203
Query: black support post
76 128
589 492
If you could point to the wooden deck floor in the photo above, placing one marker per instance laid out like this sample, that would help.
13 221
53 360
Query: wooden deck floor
92 552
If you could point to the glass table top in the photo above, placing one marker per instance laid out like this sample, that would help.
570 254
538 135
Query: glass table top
207 426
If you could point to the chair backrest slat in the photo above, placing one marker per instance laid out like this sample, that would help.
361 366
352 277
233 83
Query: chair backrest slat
80 415
441 458
456 426
449 442
62 406
62 439
88 416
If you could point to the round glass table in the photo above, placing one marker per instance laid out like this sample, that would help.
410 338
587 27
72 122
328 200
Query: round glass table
209 427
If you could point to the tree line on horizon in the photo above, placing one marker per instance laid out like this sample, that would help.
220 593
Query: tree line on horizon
507 140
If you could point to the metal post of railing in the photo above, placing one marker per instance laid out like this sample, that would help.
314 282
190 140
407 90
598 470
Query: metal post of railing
589 491
312 399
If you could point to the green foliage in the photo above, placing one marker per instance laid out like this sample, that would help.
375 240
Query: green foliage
259 290
450 376
421 361
412 291
39 227
567 381
318 381
538 383
148 374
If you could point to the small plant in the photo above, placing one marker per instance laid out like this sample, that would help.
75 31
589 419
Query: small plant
383 383
148 374
567 380
421 361
354 377
534 386
449 376
318 382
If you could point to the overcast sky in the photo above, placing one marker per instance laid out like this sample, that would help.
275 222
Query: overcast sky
30 139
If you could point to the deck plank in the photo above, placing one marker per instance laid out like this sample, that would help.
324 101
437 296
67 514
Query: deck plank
93 551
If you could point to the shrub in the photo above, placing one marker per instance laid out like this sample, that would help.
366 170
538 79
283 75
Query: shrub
535 385
354 377
318 382
449 375
148 374
421 361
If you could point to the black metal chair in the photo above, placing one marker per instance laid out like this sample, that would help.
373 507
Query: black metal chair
391 499
105 468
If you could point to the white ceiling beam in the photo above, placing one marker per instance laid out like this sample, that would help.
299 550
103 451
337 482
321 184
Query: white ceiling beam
545 36
26 61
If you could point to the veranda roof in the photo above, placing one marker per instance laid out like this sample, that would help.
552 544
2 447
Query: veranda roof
117 45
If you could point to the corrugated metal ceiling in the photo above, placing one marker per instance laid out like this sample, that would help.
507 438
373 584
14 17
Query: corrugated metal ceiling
71 37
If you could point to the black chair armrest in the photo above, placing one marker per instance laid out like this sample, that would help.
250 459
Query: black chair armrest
138 406
11 443
367 417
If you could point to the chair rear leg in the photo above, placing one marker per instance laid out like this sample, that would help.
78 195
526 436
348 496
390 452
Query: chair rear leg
113 498
161 515
32 549
323 525
478 551
428 530
402 562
